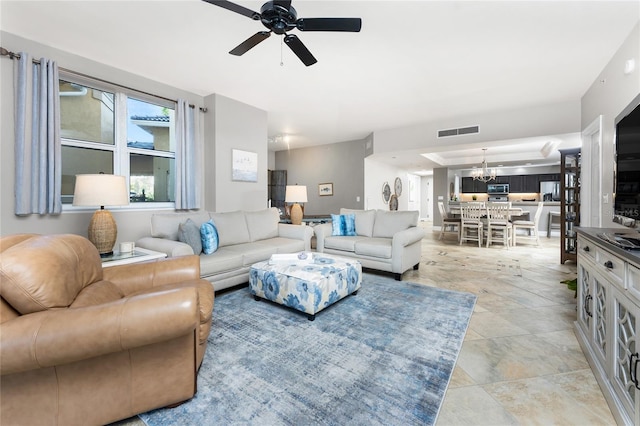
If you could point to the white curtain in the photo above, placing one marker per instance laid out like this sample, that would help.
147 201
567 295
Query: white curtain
38 152
187 188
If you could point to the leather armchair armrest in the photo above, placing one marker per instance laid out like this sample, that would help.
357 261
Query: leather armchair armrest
137 277
163 245
55 337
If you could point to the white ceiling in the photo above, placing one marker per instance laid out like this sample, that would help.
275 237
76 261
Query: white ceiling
413 61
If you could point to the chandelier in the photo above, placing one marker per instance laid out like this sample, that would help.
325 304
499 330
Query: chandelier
483 173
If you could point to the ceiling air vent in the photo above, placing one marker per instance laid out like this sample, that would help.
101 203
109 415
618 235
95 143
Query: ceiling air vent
461 131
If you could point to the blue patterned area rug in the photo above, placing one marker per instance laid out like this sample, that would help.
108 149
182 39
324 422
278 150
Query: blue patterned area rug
381 357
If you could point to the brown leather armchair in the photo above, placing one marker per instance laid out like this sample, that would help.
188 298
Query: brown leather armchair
83 345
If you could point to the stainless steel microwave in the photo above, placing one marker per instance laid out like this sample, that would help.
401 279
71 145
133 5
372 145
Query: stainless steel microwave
498 188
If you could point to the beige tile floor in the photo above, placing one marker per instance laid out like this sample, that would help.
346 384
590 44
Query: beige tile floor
520 363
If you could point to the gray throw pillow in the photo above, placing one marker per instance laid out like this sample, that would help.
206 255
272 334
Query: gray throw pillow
188 232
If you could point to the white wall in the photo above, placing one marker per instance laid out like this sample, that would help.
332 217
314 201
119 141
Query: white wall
375 175
609 94
542 120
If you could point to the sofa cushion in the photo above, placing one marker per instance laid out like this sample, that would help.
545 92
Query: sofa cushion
364 220
375 247
165 225
188 232
389 222
47 271
341 243
221 261
253 252
343 224
263 224
232 228
209 237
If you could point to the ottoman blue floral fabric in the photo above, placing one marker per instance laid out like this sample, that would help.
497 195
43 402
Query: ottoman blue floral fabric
306 286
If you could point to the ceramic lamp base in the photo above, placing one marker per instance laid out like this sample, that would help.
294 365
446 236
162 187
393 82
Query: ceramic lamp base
103 231
296 214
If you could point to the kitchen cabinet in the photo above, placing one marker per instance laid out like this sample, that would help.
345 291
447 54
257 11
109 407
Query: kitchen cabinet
470 185
531 183
608 299
549 177
569 202
516 183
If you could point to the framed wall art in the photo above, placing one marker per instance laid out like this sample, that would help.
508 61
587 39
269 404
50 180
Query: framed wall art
325 189
244 166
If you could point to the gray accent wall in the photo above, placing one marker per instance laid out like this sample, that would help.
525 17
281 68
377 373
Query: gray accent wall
341 164
234 125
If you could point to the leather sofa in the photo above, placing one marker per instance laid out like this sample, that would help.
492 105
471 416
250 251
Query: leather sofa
84 345
245 237
388 241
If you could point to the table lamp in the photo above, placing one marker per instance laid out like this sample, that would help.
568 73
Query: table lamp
296 194
101 190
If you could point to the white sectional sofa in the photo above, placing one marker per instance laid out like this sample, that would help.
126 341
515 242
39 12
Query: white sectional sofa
244 239
385 240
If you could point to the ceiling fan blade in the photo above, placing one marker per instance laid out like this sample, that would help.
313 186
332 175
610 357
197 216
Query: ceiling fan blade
329 24
250 43
235 8
300 49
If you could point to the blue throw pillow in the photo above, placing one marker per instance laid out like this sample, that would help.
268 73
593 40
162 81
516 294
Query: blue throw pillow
209 235
343 224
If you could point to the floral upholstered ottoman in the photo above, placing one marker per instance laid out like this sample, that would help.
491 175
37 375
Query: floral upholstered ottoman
308 286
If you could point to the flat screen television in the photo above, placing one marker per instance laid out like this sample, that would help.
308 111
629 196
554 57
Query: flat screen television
627 172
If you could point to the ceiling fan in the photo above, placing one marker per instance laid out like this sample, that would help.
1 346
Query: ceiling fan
279 17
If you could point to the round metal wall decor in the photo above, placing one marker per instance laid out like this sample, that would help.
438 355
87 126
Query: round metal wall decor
398 186
386 192
393 202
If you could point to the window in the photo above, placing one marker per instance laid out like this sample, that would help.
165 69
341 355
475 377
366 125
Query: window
112 130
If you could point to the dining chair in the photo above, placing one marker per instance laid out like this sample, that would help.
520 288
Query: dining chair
451 223
530 225
471 225
499 228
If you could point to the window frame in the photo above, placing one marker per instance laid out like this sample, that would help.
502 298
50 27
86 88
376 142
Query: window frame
121 152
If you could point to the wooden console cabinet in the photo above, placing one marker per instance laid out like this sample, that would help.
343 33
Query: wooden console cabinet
608 312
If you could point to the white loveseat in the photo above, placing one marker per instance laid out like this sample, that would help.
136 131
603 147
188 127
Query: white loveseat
385 240
244 239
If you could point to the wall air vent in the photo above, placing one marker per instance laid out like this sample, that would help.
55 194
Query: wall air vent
461 131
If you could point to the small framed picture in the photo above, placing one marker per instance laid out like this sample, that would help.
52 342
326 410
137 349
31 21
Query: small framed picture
325 189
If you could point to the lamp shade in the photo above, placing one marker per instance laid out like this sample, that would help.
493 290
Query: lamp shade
295 194
100 190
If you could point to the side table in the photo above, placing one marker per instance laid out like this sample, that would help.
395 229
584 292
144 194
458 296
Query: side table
136 256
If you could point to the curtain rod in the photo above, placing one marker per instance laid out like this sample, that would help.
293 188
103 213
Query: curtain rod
13 55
